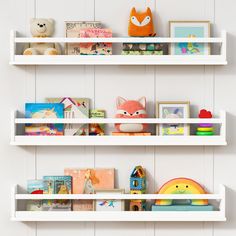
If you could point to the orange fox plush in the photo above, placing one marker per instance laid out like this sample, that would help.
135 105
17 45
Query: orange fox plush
131 109
141 23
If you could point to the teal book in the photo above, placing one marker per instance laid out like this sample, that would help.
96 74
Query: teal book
182 208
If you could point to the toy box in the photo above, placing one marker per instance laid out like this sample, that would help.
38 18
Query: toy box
57 185
88 180
74 108
40 111
73 31
97 129
96 48
34 187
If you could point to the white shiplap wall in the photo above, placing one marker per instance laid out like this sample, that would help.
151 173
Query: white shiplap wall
210 87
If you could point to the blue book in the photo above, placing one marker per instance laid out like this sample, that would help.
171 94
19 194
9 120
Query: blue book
42 111
182 208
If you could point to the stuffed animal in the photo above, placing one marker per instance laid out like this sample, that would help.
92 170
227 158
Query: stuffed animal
131 109
42 28
141 23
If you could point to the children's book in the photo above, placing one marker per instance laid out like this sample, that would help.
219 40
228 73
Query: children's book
97 129
57 185
88 180
95 48
42 111
34 187
74 108
130 134
73 31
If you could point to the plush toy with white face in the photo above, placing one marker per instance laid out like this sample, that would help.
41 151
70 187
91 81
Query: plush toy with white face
41 28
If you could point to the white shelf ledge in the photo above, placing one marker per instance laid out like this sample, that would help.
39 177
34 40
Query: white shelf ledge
119 59
217 215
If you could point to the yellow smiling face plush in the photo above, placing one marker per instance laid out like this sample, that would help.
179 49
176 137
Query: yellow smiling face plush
141 23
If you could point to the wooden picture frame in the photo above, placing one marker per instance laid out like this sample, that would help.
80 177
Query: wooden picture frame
193 29
173 129
105 205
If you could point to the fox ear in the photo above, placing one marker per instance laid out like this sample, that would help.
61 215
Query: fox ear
133 11
142 100
120 101
148 11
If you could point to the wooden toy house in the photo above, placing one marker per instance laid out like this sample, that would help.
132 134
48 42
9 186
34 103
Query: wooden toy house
138 180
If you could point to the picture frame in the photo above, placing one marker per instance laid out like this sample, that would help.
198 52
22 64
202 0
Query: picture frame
188 29
109 205
173 109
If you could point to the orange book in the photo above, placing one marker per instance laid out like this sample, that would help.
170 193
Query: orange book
130 134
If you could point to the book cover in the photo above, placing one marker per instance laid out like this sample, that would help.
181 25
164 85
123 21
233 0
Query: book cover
34 187
73 31
74 108
182 208
96 48
57 185
88 180
130 134
97 129
43 111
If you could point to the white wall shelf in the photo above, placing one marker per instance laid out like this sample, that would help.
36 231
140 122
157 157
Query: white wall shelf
220 59
154 140
218 215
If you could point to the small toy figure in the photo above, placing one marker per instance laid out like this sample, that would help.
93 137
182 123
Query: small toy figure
205 129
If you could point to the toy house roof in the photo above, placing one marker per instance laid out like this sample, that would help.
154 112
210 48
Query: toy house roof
138 172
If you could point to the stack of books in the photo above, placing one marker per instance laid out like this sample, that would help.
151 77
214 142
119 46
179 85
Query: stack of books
144 49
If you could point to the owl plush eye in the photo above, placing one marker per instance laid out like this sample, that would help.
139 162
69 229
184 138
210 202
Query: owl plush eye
135 21
146 20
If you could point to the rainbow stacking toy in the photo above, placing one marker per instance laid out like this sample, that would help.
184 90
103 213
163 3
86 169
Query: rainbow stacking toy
205 129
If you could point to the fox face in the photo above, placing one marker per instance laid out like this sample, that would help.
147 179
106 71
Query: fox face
140 23
131 109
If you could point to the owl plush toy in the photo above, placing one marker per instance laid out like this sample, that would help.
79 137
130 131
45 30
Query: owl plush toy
141 23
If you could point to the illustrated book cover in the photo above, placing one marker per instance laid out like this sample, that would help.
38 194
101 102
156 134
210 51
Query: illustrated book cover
87 181
57 185
97 129
43 111
74 108
96 48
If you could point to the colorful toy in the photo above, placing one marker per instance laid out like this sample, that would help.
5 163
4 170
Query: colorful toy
137 206
205 129
131 109
141 23
42 28
138 186
181 186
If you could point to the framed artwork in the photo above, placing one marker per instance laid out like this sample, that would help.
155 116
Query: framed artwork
189 29
109 205
174 110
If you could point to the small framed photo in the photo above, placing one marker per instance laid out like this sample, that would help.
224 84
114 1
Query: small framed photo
189 29
173 110
109 205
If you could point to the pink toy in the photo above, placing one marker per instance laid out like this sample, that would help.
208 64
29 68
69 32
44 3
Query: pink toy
131 109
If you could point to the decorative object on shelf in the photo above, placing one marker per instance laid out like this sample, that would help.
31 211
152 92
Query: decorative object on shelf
96 48
189 29
88 180
74 108
138 186
44 111
181 186
205 129
130 134
57 185
173 110
73 31
109 205
131 109
41 28
141 23
34 187
97 129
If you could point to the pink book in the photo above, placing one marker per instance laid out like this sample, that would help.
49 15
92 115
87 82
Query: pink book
88 180
95 48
